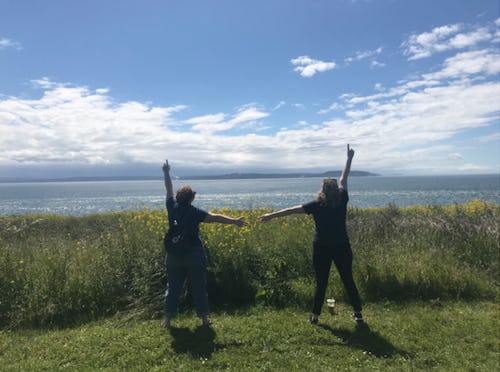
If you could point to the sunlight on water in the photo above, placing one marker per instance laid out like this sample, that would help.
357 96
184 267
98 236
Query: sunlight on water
79 198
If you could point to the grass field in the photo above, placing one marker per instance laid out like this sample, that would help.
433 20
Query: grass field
448 336
86 293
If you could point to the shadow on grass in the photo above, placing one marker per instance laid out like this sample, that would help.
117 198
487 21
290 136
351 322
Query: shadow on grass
365 339
199 343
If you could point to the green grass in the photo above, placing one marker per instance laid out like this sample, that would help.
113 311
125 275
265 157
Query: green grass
57 270
86 293
434 335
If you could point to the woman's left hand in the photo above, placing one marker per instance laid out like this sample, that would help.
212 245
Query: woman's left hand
350 152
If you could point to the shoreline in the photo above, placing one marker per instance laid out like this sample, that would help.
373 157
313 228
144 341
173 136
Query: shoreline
230 176
235 177
473 204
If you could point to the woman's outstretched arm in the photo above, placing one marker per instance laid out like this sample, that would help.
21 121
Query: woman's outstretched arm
282 213
347 168
220 218
167 179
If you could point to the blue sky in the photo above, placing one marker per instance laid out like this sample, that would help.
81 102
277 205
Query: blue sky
115 87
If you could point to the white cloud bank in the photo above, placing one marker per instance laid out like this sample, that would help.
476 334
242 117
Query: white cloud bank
408 128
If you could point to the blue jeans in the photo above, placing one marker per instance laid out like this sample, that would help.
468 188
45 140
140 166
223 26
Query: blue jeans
193 267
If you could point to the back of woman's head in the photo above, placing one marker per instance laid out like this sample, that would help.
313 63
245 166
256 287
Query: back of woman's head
185 195
329 195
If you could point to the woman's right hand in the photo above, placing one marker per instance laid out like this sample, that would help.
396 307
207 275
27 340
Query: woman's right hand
166 167
240 222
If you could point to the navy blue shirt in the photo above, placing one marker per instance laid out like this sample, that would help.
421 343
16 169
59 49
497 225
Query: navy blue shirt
195 217
330 222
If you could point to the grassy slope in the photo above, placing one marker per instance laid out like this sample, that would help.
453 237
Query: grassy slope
449 336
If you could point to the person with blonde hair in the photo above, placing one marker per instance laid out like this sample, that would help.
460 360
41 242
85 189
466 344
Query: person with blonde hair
188 260
331 241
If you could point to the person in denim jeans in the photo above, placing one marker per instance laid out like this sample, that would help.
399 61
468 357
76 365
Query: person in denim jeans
193 264
331 242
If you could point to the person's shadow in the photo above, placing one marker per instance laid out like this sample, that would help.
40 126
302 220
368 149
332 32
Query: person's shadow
365 339
199 343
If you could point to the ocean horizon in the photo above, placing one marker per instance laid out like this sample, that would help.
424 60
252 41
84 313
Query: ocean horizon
81 197
225 176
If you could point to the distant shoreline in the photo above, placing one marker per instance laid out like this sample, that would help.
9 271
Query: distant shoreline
229 176
246 176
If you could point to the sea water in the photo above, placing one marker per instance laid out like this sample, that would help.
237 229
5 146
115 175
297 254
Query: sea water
89 197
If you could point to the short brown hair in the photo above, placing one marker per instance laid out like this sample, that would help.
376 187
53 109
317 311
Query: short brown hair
185 195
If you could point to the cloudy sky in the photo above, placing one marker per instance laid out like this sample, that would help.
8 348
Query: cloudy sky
114 87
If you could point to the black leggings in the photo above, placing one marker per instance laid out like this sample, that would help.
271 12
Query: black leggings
322 260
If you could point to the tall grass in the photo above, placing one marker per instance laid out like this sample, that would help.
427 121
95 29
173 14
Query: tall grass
57 270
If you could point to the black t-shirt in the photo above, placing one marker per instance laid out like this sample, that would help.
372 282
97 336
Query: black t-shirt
195 217
330 222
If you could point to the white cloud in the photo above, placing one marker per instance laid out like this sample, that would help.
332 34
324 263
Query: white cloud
495 137
279 105
308 67
427 109
366 54
78 125
249 114
469 63
470 167
455 156
427 43
209 124
333 107
44 83
8 43
406 127
464 40
448 37
375 64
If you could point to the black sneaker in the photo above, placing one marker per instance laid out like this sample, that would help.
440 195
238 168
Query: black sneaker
358 317
313 319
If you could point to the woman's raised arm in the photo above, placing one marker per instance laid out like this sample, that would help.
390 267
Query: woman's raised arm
167 179
347 168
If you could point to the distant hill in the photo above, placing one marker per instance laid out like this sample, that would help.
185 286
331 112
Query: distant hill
243 176
230 176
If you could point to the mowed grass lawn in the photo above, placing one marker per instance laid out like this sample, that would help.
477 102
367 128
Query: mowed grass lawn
431 335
